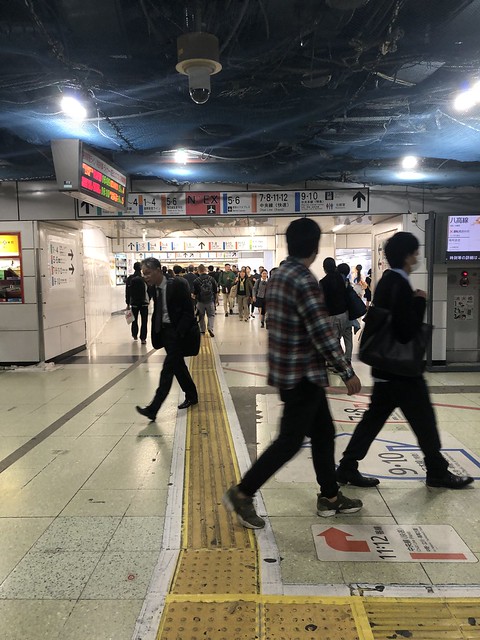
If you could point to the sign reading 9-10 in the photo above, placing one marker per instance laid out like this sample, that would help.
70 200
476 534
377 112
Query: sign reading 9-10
213 203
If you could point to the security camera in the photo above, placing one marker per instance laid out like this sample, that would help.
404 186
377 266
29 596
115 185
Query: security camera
198 59
199 85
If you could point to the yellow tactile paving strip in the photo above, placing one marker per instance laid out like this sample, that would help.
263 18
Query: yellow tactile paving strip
215 592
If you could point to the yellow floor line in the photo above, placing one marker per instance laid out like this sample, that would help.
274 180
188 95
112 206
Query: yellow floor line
215 592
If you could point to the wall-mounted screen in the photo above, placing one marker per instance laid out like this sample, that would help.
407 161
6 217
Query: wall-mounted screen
463 238
85 175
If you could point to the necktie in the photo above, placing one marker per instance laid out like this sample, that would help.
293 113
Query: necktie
158 310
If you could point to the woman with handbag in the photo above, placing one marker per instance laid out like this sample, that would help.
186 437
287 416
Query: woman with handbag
391 389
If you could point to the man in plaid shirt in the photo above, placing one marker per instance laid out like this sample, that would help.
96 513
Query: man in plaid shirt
300 341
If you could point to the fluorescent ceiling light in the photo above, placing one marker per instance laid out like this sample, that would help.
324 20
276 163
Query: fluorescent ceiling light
337 227
410 175
72 108
181 156
409 162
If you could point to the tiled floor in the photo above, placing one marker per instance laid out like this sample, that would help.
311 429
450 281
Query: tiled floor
83 505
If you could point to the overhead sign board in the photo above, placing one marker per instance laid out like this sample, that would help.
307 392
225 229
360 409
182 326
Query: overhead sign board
243 203
85 175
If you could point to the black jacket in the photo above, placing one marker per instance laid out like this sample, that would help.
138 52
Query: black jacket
180 311
136 290
333 285
394 293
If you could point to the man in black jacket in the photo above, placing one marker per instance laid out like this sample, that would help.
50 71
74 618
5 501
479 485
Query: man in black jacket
410 394
137 299
333 286
172 319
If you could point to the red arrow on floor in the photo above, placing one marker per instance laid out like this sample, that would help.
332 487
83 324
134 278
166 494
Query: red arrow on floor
337 539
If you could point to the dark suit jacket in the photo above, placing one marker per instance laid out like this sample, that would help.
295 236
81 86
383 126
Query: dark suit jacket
180 311
394 293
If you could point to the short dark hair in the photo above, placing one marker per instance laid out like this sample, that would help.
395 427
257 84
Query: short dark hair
303 236
137 266
177 269
344 269
329 265
151 263
398 247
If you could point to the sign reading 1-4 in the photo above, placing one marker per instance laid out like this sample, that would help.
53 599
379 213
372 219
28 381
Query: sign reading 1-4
214 203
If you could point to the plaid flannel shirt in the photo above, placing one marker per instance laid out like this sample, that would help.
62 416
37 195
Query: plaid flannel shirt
300 338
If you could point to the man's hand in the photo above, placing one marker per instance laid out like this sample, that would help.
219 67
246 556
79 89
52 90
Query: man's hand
353 385
418 293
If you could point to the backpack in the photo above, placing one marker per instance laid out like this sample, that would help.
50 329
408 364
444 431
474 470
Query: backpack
206 290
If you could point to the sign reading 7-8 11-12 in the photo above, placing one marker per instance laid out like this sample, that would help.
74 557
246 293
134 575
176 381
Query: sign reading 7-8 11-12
241 203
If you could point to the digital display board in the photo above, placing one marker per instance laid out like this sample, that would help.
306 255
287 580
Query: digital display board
85 175
463 238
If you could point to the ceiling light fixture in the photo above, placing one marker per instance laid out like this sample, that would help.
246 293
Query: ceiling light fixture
198 58
73 108
337 227
409 162
466 100
181 156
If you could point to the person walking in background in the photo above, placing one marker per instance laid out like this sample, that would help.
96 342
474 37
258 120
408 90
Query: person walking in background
300 340
407 307
351 325
333 286
205 292
172 319
190 277
136 298
244 294
367 294
226 280
259 292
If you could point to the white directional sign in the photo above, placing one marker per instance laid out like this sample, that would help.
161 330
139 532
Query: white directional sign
61 262
390 543
242 203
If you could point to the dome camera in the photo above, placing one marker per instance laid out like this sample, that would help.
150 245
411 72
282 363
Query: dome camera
199 85
198 59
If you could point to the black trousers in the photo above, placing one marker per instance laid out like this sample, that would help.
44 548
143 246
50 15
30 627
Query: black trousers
143 310
305 413
173 365
412 397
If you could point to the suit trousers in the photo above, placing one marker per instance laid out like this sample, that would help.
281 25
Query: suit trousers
305 413
173 365
143 310
412 397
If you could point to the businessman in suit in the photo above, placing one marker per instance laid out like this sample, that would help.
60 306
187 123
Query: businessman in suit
407 307
172 320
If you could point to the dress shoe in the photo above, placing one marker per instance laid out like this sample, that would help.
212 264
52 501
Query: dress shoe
355 478
187 403
449 481
147 412
226 315
231 312
212 335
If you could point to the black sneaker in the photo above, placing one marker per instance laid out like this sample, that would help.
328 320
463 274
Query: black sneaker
243 507
212 335
342 504
226 315
449 481
355 478
231 312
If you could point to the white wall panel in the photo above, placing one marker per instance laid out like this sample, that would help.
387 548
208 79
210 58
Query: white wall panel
8 201
439 344
52 342
27 229
43 201
18 317
30 290
97 282
19 346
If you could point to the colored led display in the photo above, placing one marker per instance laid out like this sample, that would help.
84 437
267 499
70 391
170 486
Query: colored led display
98 183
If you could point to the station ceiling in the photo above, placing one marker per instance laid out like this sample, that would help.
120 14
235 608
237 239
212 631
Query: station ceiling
310 90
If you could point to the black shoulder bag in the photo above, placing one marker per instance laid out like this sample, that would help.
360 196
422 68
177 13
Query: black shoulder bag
355 306
380 349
